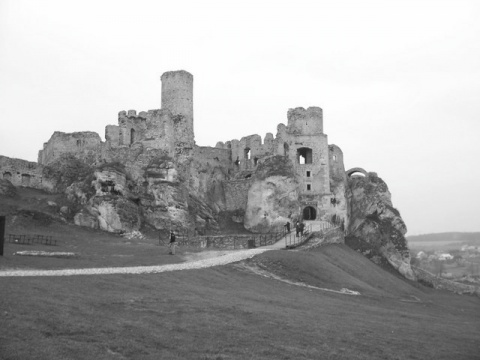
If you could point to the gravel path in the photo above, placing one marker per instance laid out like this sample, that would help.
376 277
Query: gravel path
199 264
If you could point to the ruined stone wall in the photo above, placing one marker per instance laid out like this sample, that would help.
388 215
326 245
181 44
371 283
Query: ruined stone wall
24 173
247 151
132 127
337 168
236 193
153 129
85 145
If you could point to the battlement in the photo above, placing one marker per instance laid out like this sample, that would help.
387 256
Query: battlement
132 113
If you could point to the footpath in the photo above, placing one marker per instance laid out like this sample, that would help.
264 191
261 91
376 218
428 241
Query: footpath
223 259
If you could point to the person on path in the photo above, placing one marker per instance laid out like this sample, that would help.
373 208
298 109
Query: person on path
297 227
172 243
288 227
302 227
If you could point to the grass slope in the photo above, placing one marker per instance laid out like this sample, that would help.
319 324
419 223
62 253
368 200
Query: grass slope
229 313
224 312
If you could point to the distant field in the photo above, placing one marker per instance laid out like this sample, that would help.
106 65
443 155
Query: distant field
450 236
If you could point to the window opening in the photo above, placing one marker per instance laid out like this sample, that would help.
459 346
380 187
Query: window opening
308 173
304 155
132 136
335 158
247 153
309 187
286 148
25 180
255 161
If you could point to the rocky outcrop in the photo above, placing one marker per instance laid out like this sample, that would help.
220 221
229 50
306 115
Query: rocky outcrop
272 197
375 227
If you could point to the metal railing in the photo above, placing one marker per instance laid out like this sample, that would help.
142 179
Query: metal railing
31 239
294 238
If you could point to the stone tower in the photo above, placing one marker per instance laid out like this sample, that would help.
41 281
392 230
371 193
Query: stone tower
177 96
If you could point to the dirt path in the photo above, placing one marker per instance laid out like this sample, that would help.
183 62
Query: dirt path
226 257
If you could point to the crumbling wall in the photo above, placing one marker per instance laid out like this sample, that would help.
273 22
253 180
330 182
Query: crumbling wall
85 145
246 152
24 173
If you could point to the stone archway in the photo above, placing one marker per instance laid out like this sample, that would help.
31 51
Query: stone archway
356 170
309 213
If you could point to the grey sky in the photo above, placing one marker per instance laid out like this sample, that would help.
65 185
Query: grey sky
398 81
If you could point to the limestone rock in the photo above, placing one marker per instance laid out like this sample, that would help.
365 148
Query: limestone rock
273 196
7 188
376 227
86 220
117 214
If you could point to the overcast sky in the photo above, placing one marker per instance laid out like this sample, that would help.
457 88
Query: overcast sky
398 81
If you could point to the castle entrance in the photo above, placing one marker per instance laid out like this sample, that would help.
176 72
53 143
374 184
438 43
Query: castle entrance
309 213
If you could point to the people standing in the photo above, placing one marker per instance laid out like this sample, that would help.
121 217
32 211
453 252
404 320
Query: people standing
288 227
302 227
172 243
297 227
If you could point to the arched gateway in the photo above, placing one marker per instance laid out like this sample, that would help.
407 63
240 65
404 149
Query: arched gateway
309 213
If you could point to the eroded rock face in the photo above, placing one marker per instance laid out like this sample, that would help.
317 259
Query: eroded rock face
272 197
117 214
375 226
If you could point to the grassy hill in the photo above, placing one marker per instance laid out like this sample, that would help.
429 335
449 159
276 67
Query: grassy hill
261 308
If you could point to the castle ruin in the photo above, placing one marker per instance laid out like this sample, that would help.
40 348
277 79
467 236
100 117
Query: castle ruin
224 172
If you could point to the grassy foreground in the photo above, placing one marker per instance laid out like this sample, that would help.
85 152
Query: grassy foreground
229 312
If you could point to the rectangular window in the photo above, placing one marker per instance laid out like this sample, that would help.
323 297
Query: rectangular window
309 187
308 173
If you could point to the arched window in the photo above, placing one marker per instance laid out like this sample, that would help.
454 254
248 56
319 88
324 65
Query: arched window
255 161
247 153
304 156
286 148
132 136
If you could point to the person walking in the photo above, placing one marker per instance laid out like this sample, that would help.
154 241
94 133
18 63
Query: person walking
172 243
288 227
297 227
302 227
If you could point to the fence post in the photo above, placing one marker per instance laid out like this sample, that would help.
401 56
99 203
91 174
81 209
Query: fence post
2 233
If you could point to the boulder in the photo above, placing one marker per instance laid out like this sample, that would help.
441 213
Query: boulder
85 219
375 227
